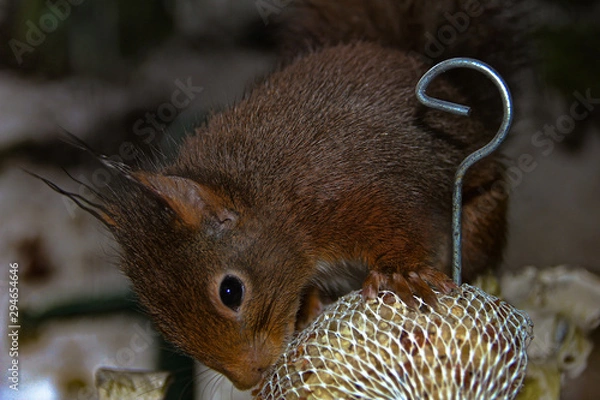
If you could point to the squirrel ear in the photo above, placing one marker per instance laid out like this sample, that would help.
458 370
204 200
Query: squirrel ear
192 202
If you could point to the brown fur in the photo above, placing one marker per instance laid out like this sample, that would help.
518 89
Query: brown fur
327 174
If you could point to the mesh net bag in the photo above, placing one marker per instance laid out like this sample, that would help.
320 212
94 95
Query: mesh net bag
472 347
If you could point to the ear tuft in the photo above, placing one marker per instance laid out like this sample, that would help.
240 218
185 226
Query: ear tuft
192 202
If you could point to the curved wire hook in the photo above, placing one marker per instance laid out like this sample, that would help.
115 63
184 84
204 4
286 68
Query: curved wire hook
476 155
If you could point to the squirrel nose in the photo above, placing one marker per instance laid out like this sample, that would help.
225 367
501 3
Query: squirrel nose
247 378
252 371
254 361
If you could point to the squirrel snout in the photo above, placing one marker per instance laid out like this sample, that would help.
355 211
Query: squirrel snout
251 370
247 377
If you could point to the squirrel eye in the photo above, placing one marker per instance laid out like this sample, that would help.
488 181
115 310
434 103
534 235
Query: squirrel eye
232 292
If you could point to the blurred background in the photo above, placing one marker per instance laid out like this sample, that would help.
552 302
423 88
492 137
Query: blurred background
132 77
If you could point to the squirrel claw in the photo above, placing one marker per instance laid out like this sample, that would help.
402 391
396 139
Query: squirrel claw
437 279
409 284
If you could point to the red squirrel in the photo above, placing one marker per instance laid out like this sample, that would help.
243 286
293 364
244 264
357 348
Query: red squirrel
328 176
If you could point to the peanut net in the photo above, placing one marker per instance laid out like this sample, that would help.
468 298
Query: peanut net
472 347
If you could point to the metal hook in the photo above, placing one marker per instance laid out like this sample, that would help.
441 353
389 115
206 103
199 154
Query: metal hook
476 155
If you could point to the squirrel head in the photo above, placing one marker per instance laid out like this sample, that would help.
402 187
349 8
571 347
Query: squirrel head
218 283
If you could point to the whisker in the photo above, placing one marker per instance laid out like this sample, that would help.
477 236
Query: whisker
85 185
78 143
81 201
188 386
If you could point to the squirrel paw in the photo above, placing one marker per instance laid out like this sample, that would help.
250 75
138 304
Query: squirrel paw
408 284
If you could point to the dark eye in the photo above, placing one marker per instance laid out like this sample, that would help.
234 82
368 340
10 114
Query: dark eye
232 292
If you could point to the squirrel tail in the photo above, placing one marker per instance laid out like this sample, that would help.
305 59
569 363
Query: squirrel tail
493 31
